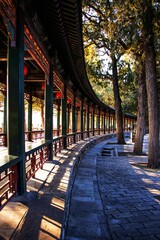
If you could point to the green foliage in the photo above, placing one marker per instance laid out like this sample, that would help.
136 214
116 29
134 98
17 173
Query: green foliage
116 27
97 75
128 86
100 43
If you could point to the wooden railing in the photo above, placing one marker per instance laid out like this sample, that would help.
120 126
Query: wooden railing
8 184
35 157
58 145
36 135
39 134
3 139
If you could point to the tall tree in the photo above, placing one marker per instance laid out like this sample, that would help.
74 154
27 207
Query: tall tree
130 34
143 17
96 30
130 25
140 128
151 83
117 99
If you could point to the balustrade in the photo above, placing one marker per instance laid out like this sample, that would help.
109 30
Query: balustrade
8 184
35 158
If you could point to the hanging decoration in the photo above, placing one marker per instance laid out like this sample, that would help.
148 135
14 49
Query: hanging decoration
43 85
58 95
25 70
69 101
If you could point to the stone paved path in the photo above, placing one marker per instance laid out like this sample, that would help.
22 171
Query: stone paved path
39 214
86 219
114 198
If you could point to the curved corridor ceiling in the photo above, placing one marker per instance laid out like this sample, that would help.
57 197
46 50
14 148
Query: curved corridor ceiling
61 33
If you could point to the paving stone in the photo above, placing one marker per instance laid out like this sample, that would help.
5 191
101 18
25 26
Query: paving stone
131 226
81 231
153 223
149 237
122 215
114 221
150 231
140 218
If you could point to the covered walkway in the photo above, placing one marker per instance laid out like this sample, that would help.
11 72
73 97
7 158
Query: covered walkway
112 197
39 213
45 93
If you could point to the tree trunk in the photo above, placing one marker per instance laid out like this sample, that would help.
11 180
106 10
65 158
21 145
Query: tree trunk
152 88
140 128
118 108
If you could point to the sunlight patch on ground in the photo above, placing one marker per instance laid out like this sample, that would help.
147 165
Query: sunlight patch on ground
60 155
146 180
138 171
58 203
154 191
9 218
49 229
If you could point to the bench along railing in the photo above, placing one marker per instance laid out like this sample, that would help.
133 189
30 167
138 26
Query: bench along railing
36 154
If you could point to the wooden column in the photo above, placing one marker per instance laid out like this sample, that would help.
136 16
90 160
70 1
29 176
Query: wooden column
104 122
30 116
88 120
58 117
15 99
64 116
98 120
93 120
82 121
68 117
4 130
48 93
127 124
74 118
109 123
114 123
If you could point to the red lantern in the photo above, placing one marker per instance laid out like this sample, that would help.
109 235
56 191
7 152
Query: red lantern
25 70
43 85
68 100
58 95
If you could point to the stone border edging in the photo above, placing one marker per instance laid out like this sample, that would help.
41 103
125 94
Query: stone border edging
82 149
